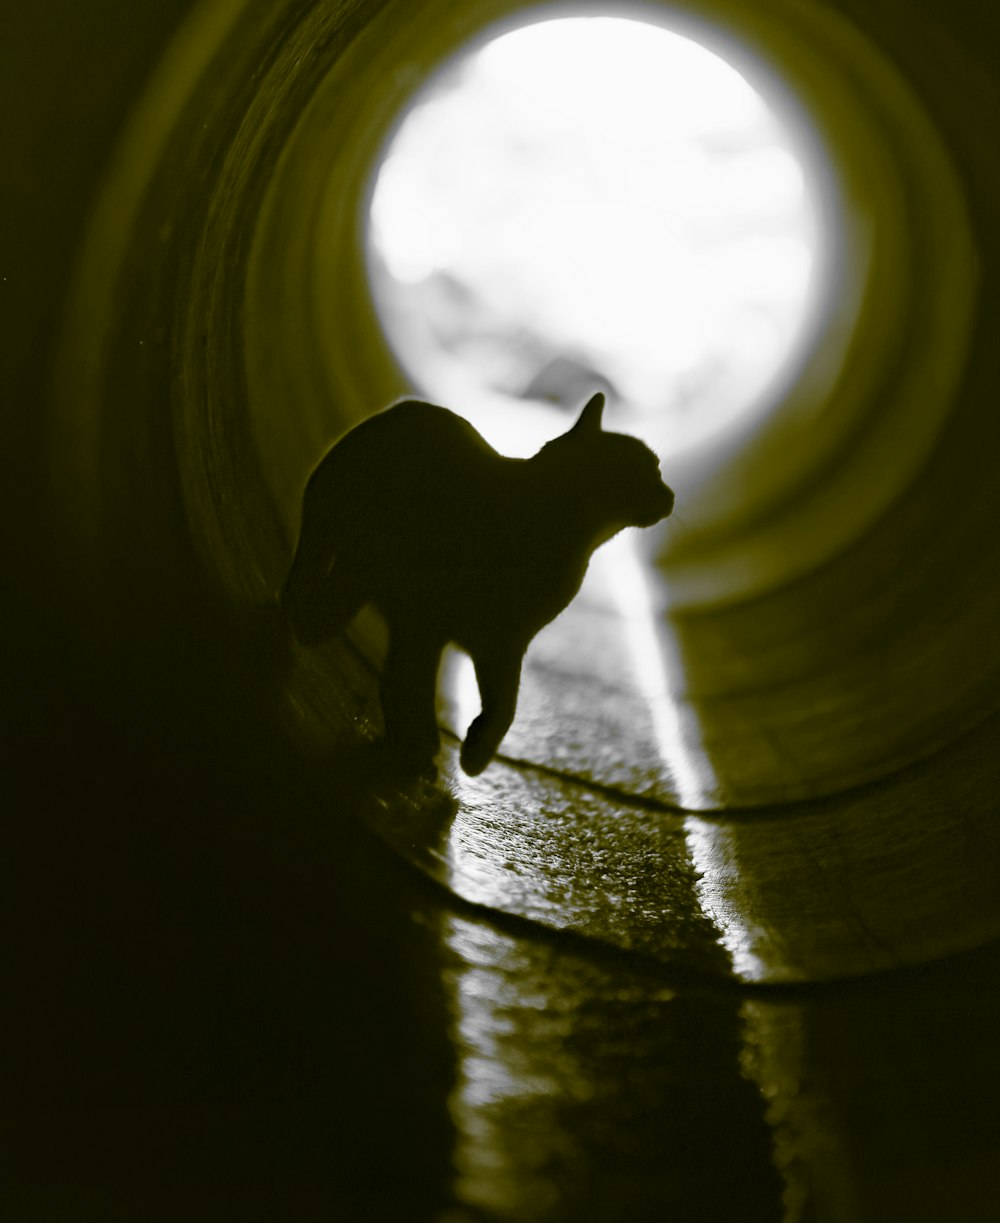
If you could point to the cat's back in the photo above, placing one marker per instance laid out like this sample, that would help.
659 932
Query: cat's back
419 434
409 446
414 479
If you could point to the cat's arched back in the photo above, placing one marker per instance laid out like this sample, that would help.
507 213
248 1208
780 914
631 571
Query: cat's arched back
414 512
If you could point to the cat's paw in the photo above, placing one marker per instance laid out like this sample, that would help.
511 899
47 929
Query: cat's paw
477 751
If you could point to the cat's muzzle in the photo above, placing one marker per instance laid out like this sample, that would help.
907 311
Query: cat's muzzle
662 507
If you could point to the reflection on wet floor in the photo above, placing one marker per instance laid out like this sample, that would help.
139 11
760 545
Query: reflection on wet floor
594 1090
675 727
588 1091
707 844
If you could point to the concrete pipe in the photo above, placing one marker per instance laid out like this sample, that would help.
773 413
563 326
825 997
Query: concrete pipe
805 794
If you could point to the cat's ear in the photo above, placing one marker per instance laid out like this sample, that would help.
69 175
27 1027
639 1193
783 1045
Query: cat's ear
589 420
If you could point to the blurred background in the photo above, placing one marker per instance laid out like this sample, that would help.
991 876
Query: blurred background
716 934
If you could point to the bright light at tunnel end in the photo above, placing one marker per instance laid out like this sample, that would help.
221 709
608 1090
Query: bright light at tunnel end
595 202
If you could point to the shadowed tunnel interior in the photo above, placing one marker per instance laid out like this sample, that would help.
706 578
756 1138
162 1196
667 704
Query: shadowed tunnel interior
730 891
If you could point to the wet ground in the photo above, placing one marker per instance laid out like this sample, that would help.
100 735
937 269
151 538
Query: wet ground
578 987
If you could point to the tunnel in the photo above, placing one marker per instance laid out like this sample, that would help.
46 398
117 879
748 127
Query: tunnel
716 932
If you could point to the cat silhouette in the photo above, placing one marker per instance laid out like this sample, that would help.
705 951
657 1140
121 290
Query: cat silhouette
412 511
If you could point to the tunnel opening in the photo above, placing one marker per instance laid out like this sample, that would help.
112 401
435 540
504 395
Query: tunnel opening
589 203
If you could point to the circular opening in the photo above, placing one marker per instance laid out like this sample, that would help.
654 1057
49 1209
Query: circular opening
595 203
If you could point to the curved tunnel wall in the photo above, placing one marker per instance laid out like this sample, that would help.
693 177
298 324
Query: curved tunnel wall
220 333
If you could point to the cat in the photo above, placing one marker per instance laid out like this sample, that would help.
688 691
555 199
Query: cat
412 511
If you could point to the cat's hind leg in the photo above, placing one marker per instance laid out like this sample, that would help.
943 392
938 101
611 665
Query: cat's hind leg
321 606
499 676
408 691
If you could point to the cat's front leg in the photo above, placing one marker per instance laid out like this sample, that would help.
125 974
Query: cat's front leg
498 674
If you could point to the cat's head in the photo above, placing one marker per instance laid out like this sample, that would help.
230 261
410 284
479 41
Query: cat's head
618 474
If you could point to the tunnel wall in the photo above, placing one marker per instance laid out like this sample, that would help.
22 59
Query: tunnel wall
146 379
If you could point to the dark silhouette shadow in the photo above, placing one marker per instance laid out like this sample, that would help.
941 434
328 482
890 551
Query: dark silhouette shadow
415 513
